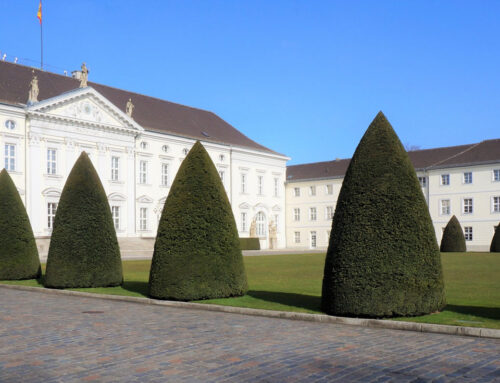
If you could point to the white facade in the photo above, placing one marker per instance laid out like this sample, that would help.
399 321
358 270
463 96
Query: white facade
472 193
41 142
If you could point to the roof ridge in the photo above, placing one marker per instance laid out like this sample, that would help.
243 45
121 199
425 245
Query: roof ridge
457 154
106 86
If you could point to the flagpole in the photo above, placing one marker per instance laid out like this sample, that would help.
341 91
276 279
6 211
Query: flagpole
41 45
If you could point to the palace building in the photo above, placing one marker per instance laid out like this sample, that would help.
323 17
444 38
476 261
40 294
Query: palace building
136 144
457 180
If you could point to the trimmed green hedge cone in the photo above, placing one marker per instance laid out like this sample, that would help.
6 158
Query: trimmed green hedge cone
197 253
453 237
495 242
18 252
83 249
382 259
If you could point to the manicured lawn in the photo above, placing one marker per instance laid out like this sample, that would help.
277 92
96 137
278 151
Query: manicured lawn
293 283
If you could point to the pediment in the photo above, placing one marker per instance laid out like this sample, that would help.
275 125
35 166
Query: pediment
51 192
117 197
145 199
84 106
260 206
276 208
244 205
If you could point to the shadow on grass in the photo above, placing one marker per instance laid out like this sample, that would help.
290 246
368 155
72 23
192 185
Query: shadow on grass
309 302
136 287
483 312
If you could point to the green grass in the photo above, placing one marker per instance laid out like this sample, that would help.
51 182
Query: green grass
293 283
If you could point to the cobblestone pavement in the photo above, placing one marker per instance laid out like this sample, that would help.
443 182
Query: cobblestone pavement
53 338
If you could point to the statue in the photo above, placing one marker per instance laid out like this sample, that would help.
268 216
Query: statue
273 238
129 108
253 228
84 77
33 92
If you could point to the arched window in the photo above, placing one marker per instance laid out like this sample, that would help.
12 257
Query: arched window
261 224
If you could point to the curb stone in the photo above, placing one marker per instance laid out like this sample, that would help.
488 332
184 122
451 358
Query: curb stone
479 332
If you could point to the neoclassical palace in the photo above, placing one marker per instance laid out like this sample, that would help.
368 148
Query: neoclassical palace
137 144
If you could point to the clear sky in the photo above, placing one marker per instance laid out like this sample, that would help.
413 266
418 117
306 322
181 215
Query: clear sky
304 78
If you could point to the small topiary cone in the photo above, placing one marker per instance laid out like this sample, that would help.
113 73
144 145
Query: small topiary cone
453 237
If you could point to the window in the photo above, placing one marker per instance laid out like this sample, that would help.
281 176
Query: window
222 158
296 192
10 157
329 189
313 239
143 218
297 237
329 212
144 145
312 213
467 206
467 177
9 124
51 214
221 175
496 175
143 172
445 207
445 179
468 233
243 179
296 214
312 190
51 161
164 174
495 205
115 168
115 214
261 224
276 186
243 221
164 148
185 151
423 181
260 181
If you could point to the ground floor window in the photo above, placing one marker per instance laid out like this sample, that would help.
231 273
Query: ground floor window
313 239
51 214
115 213
297 236
261 224
143 218
468 233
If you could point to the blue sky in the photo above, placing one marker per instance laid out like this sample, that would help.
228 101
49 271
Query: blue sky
304 78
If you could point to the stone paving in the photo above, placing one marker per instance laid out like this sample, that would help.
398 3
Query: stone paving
54 338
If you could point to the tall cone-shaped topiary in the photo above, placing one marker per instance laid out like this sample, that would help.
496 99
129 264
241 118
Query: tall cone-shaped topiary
382 259
495 242
18 252
197 253
83 250
453 237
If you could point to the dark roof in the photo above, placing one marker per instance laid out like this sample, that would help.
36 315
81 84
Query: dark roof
484 152
151 113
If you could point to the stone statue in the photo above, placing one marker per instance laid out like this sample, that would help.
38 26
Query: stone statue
130 107
253 228
273 238
85 76
33 92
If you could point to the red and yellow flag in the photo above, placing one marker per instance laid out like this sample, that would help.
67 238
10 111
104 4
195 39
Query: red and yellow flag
39 13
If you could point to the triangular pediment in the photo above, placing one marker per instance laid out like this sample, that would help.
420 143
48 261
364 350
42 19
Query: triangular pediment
84 106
